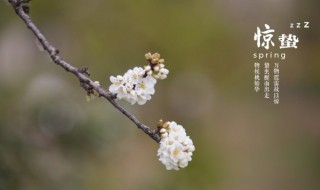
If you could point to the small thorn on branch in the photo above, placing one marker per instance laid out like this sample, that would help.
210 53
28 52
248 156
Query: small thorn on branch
56 51
84 70
53 51
26 8
113 96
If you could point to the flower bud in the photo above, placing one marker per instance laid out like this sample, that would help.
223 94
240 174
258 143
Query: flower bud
156 55
164 71
154 61
148 56
166 125
147 68
163 130
149 72
164 135
156 68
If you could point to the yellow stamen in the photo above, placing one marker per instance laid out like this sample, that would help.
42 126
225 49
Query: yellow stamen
176 152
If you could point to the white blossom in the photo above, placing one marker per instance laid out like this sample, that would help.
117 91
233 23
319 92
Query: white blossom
133 86
144 89
176 147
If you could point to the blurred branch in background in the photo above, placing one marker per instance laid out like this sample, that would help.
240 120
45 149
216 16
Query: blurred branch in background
22 9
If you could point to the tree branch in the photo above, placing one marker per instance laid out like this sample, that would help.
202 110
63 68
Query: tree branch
20 8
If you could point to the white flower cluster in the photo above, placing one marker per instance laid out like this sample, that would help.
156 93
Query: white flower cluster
137 84
133 87
176 147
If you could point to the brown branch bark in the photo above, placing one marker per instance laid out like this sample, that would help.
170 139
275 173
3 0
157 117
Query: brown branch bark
20 8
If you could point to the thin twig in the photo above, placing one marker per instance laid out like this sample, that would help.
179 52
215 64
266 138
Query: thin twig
81 74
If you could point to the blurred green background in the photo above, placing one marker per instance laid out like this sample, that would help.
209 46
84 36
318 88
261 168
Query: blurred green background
51 138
